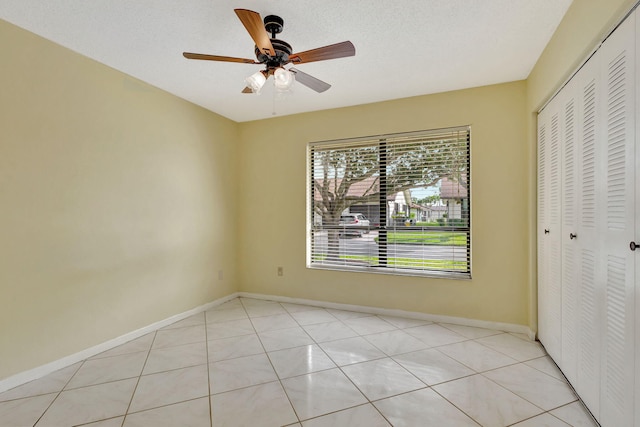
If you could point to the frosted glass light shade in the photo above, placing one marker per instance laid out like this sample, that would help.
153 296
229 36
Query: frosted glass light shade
256 81
283 79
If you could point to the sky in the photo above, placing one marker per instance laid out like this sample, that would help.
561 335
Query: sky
423 192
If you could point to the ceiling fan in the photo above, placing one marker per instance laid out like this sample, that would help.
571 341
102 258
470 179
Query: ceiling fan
275 54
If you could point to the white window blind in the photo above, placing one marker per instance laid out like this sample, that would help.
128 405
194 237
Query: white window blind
392 203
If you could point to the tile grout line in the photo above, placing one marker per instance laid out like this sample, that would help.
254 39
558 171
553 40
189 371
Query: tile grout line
266 353
59 393
175 369
323 370
126 413
456 406
369 401
584 407
468 376
481 373
522 397
340 369
206 348
534 416
514 393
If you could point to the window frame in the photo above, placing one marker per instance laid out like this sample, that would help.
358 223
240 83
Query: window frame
382 268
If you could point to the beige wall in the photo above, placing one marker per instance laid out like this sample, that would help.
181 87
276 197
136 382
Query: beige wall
273 201
584 26
117 207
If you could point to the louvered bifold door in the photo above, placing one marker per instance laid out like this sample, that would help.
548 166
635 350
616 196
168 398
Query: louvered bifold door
635 238
589 313
570 110
553 341
543 231
549 225
616 217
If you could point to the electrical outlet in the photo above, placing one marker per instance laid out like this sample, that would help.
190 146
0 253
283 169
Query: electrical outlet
280 271
219 274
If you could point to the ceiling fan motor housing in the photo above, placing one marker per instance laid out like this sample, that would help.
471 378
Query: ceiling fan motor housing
282 49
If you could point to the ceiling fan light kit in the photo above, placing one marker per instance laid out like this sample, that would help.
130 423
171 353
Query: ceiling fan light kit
255 81
283 79
274 54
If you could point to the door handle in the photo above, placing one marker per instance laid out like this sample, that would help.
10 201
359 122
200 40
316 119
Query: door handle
633 246
572 236
546 231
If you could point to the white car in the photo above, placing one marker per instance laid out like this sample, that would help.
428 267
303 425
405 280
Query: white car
354 220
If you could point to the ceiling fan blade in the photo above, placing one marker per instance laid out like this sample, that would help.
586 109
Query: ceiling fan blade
204 57
254 25
310 81
338 50
247 90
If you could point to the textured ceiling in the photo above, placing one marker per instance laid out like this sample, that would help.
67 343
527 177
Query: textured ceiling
403 48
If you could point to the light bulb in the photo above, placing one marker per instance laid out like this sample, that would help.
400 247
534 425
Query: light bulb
256 81
283 79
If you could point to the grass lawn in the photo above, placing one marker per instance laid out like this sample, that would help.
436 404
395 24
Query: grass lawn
438 264
444 238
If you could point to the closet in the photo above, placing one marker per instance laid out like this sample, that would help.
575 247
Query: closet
588 204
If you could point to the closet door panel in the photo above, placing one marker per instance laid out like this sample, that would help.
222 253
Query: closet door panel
543 226
543 231
571 267
554 339
589 308
550 256
618 217
636 236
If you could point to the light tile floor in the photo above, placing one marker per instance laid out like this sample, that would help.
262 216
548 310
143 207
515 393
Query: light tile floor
259 363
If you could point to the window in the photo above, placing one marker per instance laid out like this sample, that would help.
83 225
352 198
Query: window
392 204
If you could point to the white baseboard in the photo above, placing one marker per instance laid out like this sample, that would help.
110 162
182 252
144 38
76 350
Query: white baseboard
506 327
41 371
